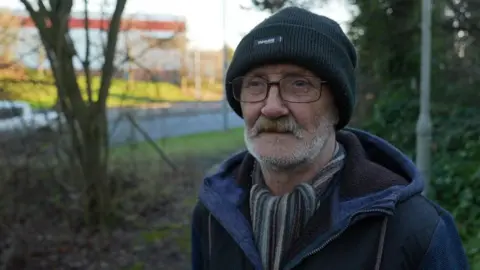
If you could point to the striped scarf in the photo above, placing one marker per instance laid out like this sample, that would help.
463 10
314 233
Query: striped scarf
279 220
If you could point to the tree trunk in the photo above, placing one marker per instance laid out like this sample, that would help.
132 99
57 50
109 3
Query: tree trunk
86 119
95 169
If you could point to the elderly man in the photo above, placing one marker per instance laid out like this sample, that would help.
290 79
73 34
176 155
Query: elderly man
309 193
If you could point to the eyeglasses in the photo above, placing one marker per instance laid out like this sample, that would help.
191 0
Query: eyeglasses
295 89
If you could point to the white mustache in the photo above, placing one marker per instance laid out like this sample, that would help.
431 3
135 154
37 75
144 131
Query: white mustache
283 125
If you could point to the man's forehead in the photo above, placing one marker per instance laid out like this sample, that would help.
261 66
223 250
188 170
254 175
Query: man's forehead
279 69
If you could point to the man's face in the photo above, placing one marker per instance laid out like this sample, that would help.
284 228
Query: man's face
283 133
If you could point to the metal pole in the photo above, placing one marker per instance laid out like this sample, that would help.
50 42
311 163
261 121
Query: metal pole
424 124
198 75
225 65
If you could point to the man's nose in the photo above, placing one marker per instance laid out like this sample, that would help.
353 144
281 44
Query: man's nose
274 105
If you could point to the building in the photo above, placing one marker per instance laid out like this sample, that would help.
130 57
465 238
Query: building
155 43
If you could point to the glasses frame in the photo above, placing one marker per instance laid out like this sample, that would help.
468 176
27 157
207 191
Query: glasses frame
277 84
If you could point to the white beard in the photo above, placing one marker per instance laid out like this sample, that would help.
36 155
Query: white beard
304 151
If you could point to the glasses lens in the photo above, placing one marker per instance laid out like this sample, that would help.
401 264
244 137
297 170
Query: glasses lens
300 89
249 89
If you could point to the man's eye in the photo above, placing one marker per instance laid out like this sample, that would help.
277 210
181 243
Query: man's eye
253 83
300 83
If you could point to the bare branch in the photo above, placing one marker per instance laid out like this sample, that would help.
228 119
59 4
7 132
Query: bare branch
53 37
39 23
86 61
64 70
43 10
103 27
61 19
108 66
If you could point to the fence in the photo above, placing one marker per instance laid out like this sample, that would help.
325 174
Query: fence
178 119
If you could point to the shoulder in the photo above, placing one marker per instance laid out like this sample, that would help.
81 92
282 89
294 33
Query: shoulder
415 220
417 213
420 230
412 225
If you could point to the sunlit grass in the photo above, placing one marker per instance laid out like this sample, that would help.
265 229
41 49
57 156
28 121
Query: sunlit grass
42 93
207 144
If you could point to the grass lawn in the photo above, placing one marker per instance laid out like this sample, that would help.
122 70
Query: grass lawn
122 93
205 144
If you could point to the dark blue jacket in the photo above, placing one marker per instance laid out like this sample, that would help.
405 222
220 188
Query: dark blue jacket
375 217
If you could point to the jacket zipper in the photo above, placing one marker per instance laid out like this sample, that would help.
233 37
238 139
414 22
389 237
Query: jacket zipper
335 236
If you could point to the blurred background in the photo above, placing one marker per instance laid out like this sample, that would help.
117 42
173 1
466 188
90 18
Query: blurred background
113 111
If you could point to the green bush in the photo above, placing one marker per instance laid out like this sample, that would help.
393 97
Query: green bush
455 171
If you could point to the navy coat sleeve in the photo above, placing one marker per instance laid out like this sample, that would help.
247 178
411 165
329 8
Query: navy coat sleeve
445 250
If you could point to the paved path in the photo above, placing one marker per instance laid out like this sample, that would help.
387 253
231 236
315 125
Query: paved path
163 108
170 124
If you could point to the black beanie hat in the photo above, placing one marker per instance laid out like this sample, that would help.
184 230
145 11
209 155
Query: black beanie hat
297 36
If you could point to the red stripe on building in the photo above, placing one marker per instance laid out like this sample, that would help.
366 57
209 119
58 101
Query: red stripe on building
127 24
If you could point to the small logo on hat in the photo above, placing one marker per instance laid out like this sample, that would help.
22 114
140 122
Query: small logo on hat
268 41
